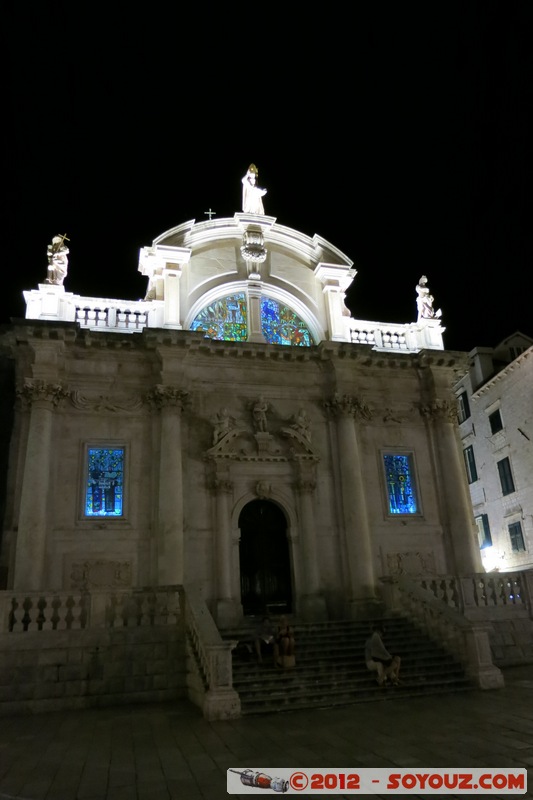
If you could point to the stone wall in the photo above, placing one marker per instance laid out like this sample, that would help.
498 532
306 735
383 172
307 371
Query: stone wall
72 669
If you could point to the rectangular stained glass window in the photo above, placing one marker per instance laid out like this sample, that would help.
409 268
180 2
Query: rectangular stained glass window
401 489
105 480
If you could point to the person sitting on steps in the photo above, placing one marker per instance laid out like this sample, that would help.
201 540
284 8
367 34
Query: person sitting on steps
378 658
284 646
264 639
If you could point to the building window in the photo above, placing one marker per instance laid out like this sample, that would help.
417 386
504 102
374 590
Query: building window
226 319
470 463
463 407
401 490
495 421
483 531
516 536
506 477
105 480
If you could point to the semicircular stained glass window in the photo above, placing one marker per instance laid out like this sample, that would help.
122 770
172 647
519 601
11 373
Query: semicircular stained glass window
281 325
226 319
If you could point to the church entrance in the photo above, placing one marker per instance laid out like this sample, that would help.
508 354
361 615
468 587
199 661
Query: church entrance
264 559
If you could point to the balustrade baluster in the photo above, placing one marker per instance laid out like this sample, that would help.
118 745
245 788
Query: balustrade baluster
61 613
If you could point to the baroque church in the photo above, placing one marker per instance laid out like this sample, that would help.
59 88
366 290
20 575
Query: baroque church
236 443
237 430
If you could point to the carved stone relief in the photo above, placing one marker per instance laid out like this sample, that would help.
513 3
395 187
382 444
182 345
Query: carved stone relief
411 563
100 574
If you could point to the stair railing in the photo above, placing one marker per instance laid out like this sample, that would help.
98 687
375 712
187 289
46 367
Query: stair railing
466 640
210 667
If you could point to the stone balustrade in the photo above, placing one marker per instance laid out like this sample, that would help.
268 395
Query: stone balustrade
211 673
108 315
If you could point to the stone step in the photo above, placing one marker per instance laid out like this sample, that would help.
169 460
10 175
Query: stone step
330 668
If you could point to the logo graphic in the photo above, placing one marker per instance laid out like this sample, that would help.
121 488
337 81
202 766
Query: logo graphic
262 781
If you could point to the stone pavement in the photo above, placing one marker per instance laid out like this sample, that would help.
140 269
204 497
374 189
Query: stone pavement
169 752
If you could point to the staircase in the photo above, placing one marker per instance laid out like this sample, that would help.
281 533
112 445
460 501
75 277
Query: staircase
330 668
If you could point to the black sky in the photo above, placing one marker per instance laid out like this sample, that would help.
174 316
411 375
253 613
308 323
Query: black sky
399 132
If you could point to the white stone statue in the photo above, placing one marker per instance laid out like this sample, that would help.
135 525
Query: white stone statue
252 195
424 301
57 253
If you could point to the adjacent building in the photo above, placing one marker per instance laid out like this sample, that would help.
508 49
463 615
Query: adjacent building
495 401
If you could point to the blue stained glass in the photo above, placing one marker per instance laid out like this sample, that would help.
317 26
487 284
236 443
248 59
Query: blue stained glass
280 325
226 319
400 484
105 479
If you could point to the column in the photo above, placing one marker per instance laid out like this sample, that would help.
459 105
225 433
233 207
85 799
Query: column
441 416
170 540
311 604
29 573
345 410
227 611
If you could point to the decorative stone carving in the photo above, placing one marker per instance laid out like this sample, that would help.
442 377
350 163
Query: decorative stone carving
103 403
344 405
389 415
263 490
302 424
222 485
100 574
440 410
222 423
167 396
34 390
411 563
259 415
305 485
253 248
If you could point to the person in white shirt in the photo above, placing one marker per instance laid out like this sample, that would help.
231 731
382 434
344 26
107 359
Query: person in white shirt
378 658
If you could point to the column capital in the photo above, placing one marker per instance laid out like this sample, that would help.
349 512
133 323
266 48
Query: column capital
40 391
347 406
305 486
440 410
167 397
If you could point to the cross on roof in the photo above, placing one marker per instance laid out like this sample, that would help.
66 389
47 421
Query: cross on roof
210 212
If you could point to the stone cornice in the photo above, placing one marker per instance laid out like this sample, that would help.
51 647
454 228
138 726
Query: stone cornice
150 339
517 364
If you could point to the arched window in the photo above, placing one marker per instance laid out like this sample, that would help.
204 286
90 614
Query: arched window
226 320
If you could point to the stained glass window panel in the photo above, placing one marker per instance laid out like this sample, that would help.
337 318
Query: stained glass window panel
225 319
105 480
281 325
400 484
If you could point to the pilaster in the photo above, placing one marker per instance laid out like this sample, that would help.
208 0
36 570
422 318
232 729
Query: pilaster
345 410
170 401
42 397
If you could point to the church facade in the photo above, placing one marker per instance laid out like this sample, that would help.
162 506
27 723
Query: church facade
236 432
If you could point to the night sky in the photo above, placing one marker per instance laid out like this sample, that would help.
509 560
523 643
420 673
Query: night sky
399 132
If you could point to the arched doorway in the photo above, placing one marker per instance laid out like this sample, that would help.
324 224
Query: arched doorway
264 559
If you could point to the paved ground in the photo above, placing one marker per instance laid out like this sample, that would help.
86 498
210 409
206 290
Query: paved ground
169 752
